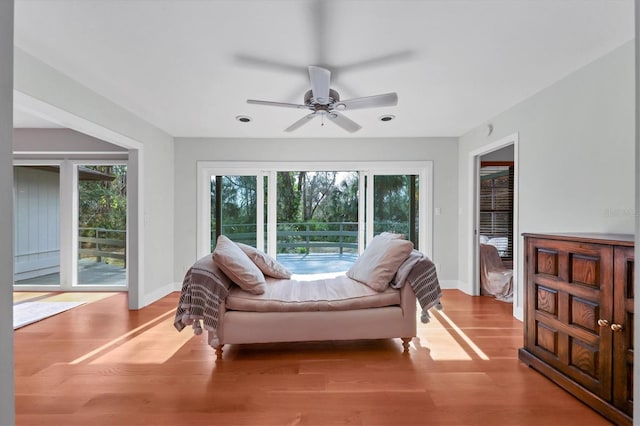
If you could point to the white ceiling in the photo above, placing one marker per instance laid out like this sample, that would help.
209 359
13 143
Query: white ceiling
188 66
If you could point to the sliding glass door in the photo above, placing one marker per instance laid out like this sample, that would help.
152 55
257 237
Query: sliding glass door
70 226
316 218
234 208
102 224
395 205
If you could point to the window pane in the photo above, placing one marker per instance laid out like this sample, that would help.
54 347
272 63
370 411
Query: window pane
317 223
37 225
102 225
395 207
237 203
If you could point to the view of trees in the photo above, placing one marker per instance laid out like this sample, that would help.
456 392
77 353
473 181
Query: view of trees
103 198
311 201
102 210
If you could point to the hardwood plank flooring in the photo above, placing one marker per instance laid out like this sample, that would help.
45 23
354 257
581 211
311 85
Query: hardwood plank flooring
100 364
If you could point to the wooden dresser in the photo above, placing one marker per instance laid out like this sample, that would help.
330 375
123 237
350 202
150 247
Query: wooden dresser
578 329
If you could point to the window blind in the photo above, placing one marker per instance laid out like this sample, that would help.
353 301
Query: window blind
496 206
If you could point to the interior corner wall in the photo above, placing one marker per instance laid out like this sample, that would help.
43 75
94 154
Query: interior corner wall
38 86
442 151
576 155
7 407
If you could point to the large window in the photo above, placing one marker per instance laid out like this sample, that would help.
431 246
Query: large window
316 218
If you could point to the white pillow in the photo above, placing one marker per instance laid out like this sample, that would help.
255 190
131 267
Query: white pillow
237 266
380 261
267 264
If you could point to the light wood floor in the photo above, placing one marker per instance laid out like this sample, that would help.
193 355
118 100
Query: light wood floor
100 364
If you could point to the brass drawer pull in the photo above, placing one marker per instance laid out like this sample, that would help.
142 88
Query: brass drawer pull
603 323
616 327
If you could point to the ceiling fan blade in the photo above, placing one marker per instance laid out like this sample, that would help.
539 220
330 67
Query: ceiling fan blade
278 104
387 99
344 122
304 120
320 78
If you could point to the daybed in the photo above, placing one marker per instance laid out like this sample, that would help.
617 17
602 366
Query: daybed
241 295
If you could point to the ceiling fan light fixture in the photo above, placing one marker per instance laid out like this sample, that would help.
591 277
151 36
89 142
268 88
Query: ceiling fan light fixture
244 118
387 117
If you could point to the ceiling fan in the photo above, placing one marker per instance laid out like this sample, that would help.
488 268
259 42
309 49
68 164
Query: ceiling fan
325 102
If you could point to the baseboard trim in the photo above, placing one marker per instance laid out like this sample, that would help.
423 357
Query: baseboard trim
160 293
451 284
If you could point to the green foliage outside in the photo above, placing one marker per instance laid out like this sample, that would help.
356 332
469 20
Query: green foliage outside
102 206
318 207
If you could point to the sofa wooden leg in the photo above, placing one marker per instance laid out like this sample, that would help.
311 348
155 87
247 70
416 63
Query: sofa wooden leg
405 343
219 352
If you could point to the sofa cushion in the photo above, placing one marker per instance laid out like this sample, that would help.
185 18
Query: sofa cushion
380 261
237 266
336 293
267 264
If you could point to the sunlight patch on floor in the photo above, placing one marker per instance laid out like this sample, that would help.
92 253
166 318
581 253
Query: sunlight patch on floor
149 347
149 344
80 296
21 296
448 342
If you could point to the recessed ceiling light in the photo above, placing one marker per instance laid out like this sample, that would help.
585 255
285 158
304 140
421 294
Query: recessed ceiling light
243 118
387 117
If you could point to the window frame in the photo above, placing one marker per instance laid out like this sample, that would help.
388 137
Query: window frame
69 223
368 169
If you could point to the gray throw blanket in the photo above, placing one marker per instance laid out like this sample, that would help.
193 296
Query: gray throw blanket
204 287
424 281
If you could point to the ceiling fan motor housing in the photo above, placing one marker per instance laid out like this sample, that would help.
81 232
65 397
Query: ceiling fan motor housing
309 100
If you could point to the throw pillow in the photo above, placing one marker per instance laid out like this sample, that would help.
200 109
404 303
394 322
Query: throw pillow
380 261
267 264
237 266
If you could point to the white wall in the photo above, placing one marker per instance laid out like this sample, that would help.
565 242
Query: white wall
59 140
39 87
7 408
576 155
442 151
502 154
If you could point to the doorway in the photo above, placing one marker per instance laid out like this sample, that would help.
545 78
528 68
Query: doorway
494 216
70 225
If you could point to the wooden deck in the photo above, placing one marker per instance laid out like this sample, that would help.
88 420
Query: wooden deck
100 364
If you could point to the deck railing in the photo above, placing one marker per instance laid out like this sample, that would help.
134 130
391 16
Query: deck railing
101 242
305 237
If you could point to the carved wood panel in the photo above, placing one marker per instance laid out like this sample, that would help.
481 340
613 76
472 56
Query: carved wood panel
547 300
584 270
584 357
585 314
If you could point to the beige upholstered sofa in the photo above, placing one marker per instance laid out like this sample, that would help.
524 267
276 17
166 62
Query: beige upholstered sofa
271 306
394 320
